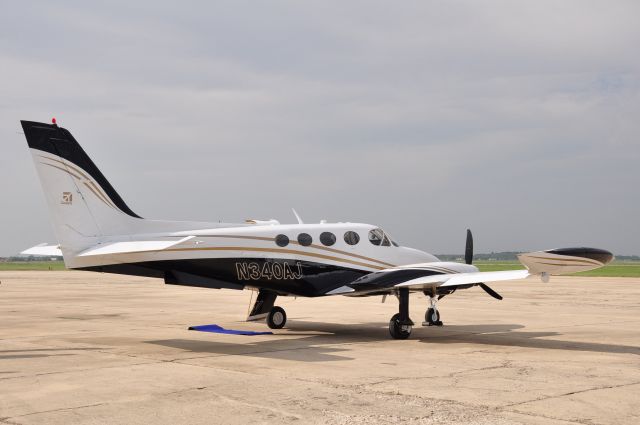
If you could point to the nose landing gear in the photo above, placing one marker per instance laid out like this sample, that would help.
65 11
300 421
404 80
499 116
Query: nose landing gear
432 315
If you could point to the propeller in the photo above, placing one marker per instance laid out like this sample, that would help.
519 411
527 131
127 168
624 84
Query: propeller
468 258
468 249
490 291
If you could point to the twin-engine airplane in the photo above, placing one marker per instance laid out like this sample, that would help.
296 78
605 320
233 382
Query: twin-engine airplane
97 231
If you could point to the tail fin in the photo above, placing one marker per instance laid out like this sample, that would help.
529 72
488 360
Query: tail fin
84 206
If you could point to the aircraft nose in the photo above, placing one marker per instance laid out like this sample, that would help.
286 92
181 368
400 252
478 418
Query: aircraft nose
418 256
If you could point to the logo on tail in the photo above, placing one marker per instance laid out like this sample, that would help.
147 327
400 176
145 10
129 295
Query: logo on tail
67 198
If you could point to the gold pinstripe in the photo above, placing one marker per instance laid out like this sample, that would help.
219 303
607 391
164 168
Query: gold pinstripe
324 248
61 169
565 264
571 260
274 250
85 183
98 191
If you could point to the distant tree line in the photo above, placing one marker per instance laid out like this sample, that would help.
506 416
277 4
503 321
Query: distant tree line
27 258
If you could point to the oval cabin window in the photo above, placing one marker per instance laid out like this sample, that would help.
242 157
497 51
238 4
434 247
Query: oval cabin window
351 237
282 240
327 238
304 239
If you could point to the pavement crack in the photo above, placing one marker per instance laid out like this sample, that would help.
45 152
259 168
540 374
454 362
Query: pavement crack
62 409
603 387
238 401
76 370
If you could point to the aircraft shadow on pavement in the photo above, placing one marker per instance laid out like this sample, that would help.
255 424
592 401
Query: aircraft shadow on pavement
319 342
297 349
526 339
484 334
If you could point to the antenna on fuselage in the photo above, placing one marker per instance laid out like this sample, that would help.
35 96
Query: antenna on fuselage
297 216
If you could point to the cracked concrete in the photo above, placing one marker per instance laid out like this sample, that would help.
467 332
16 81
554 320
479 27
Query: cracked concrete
86 348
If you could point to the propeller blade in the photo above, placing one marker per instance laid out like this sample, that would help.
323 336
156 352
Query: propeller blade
468 249
490 291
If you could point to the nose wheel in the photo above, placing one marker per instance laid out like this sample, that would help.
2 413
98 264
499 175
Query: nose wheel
277 318
432 315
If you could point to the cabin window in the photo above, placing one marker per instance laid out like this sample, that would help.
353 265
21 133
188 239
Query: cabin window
377 237
351 237
327 238
282 240
304 239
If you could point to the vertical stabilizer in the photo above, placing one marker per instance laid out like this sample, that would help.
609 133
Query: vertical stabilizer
83 205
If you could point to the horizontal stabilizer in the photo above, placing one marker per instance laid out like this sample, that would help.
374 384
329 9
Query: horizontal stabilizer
44 250
130 247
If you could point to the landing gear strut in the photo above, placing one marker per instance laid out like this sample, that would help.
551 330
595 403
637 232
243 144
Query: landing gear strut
432 316
400 324
263 308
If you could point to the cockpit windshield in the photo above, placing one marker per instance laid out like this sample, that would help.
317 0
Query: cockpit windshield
380 238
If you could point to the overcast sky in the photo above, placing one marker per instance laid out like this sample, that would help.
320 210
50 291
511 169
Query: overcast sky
520 120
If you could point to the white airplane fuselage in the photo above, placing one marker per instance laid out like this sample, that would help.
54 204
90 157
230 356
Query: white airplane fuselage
97 231
296 259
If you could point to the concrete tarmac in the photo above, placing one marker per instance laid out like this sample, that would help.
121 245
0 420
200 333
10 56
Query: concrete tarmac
88 348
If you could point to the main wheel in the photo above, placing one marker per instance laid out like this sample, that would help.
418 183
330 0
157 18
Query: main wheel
432 317
397 330
276 318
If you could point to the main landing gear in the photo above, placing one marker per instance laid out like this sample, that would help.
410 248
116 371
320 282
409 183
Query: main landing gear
400 325
263 308
276 318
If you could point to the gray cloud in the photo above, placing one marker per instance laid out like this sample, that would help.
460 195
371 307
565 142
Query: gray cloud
518 119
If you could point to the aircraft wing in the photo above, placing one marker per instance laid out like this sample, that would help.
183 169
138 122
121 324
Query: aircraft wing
450 276
419 277
457 279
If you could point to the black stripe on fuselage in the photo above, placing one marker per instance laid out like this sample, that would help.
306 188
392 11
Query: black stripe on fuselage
59 141
302 278
596 254
387 279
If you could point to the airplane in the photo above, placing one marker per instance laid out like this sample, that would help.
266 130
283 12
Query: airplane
97 231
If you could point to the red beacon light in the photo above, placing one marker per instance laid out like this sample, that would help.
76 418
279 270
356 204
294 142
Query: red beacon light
53 121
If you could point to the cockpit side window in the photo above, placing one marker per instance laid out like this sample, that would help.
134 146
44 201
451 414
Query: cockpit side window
378 238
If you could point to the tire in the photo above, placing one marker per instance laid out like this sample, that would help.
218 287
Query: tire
398 331
428 316
432 321
277 318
